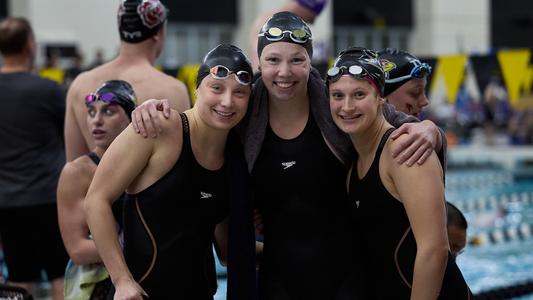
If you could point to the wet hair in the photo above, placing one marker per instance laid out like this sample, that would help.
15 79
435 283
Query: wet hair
14 34
226 55
455 216
286 21
367 60
125 96
396 64
139 20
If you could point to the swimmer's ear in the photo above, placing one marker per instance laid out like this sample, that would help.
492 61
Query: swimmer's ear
159 35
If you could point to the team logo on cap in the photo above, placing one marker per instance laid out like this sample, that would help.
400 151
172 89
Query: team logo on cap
387 66
152 13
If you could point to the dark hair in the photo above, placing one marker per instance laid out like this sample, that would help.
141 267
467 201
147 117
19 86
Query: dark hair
455 216
14 34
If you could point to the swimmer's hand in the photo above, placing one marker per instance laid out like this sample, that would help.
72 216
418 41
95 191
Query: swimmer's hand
144 118
424 137
128 289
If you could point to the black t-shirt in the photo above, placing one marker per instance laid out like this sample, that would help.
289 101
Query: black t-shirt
32 154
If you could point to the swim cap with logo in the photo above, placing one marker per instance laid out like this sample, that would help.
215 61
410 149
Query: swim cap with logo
360 63
400 67
139 20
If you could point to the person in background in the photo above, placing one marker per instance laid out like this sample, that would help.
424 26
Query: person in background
407 253
31 157
108 114
141 26
457 227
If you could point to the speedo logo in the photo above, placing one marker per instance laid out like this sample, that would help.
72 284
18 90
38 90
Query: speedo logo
204 195
287 164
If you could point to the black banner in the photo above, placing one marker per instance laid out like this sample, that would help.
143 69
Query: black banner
206 11
373 13
3 9
511 23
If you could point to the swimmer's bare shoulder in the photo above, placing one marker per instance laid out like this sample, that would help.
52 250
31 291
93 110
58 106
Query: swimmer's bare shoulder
163 86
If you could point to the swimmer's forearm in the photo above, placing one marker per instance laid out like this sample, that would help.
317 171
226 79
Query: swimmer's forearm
102 225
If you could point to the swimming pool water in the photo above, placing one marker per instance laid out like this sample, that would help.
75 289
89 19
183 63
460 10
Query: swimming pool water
500 203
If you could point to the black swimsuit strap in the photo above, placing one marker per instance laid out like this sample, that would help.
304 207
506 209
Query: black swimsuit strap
385 137
184 122
94 157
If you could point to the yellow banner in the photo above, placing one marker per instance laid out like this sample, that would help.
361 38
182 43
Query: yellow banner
516 71
55 74
451 70
187 74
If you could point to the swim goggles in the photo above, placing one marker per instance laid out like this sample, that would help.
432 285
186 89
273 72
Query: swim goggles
275 34
420 71
105 97
356 71
222 72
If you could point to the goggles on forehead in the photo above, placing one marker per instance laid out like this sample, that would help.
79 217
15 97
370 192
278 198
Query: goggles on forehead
222 72
418 72
275 34
356 71
108 97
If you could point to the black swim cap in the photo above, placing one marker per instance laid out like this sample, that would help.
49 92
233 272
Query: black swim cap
123 95
230 57
366 59
400 67
139 20
285 27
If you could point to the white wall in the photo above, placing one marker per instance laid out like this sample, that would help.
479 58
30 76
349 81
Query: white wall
441 26
91 24
451 26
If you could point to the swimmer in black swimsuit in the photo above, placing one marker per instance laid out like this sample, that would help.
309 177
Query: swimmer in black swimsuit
400 215
178 189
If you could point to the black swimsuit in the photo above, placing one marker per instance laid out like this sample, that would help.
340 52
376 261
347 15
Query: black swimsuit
169 229
299 188
386 242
